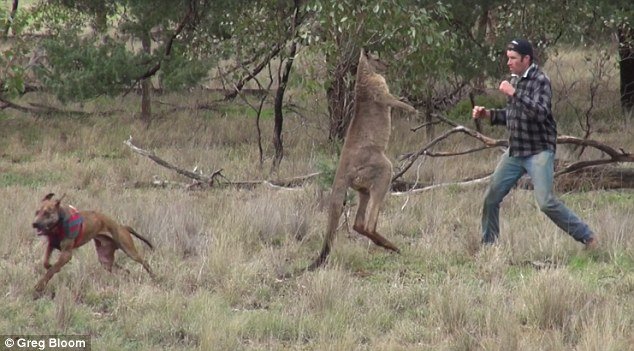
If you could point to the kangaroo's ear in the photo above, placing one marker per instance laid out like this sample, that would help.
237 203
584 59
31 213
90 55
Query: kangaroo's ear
48 196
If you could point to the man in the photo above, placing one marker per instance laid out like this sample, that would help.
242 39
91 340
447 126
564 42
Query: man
532 142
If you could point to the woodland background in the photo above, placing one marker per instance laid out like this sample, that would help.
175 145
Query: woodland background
249 100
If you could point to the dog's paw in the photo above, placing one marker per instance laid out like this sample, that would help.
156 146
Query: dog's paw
37 294
39 287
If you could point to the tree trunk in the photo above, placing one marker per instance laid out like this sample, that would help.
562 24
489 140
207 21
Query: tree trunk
281 89
340 108
626 66
146 85
14 11
429 110
279 102
340 95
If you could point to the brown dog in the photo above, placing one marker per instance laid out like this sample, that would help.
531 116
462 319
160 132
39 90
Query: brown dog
67 228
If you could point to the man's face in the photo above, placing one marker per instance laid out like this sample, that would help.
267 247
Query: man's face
516 62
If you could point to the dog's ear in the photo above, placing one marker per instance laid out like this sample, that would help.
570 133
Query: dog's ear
60 200
48 197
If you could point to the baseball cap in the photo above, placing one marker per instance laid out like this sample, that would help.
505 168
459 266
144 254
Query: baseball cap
522 46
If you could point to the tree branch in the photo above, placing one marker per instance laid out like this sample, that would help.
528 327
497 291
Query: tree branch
196 176
412 157
266 61
168 48
615 155
200 179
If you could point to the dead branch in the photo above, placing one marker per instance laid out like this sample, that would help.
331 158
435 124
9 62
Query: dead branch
615 156
604 177
569 177
595 177
412 157
9 104
38 109
208 180
252 74
407 190
293 183
425 125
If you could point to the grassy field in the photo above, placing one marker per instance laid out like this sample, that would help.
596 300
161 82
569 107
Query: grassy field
219 251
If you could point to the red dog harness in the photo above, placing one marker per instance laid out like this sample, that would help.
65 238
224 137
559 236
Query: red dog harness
71 227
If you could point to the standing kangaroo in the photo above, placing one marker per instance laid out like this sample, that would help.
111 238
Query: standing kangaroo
363 164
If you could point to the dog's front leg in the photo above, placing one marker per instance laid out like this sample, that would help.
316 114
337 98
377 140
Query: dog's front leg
65 255
47 256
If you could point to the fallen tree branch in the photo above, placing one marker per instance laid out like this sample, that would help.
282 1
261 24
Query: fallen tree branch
593 178
412 157
41 109
208 180
615 156
605 177
9 104
570 177
461 184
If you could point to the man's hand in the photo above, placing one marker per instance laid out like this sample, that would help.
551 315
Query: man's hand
507 88
479 112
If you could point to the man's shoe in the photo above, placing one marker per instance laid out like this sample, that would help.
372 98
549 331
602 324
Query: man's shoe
592 243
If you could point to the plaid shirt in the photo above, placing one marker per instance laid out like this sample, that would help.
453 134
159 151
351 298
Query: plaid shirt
527 116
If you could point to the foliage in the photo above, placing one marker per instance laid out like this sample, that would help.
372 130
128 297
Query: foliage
435 48
85 64
405 32
13 65
610 15
13 75
80 69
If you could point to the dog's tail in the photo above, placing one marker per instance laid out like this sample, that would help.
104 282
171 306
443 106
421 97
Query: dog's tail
140 237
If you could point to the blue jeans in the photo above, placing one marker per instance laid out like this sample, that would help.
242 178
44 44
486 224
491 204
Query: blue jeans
540 167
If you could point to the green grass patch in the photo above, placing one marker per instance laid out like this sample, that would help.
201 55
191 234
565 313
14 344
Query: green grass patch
517 273
461 113
27 180
614 198
237 110
580 262
17 157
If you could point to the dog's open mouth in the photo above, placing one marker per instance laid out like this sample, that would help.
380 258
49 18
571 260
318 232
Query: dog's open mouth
42 230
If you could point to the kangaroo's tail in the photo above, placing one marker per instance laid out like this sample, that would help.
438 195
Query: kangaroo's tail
337 198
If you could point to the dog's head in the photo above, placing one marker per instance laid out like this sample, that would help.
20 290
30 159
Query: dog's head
48 215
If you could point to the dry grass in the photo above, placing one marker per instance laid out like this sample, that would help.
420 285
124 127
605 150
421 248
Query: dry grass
219 251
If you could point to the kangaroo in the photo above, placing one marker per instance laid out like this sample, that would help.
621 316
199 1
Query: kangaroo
363 165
